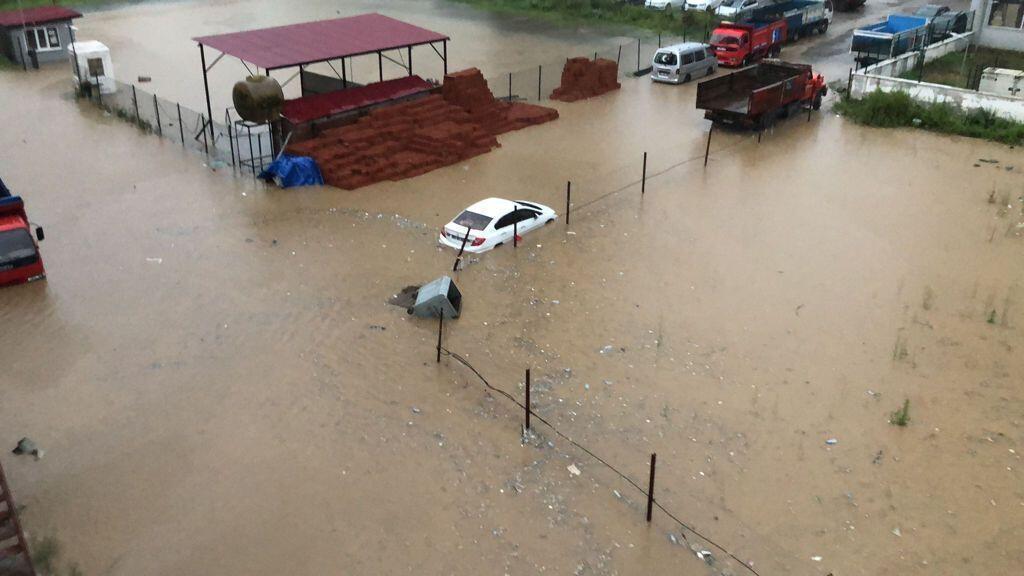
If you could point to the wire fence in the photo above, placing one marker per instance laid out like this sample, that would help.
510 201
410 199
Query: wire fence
245 146
648 493
536 83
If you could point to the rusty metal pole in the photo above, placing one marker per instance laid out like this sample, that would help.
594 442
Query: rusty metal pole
650 488
527 398
159 125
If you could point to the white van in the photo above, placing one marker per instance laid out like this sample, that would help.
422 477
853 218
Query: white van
682 62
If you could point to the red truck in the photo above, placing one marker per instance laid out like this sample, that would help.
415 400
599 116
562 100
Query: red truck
743 44
754 96
19 253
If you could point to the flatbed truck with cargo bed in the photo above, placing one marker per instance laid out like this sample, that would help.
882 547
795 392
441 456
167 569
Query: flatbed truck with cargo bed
754 96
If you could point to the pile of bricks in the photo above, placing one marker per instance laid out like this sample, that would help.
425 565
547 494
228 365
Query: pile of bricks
585 78
414 137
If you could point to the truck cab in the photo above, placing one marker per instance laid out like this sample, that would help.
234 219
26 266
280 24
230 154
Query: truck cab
19 252
743 44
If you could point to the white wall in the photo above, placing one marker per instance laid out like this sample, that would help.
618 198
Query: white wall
995 36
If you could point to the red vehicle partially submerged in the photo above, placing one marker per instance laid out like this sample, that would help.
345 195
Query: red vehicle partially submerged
19 253
753 97
743 44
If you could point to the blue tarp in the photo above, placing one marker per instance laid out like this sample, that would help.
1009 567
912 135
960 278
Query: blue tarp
290 171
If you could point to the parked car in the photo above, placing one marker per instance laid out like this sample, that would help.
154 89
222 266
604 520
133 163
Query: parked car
665 4
703 5
682 62
737 10
943 20
492 222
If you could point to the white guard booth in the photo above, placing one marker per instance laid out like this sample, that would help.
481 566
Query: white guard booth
93 64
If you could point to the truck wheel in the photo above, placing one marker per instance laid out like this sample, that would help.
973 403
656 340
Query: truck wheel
817 101
795 36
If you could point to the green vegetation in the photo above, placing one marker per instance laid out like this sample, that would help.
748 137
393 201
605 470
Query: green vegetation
954 70
605 12
901 417
898 109
46 553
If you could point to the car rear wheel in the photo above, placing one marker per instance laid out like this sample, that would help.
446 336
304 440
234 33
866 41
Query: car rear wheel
710 72
686 78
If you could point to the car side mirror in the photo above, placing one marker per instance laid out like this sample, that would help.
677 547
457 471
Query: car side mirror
40 235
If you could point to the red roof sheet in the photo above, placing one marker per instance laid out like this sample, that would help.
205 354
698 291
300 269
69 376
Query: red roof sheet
302 110
40 15
285 46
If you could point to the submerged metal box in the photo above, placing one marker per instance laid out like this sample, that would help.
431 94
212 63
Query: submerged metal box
439 297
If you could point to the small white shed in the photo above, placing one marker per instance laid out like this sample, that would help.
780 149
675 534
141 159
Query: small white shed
92 66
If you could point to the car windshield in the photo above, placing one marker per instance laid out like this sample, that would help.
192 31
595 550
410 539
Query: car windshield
732 3
665 59
723 39
473 221
16 245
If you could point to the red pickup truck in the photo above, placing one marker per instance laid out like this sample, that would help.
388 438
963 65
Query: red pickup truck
19 254
743 44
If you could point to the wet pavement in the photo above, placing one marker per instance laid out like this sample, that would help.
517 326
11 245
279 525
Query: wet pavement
221 388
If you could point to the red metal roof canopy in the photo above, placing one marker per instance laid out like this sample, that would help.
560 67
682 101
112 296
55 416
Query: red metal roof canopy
287 46
33 16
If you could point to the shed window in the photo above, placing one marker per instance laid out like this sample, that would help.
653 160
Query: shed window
42 39
1007 13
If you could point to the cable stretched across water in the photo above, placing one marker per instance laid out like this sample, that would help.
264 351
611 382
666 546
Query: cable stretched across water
661 172
590 453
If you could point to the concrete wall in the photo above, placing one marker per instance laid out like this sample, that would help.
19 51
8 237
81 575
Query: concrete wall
884 76
995 36
14 37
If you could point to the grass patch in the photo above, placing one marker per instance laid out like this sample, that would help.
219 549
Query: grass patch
606 12
898 109
953 70
901 417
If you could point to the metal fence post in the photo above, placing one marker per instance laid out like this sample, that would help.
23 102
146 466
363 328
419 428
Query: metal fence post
650 488
637 54
643 180
527 398
156 108
707 151
509 86
181 126
540 71
568 200
440 332
135 102
618 59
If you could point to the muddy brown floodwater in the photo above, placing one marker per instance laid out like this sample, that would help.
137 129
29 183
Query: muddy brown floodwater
221 389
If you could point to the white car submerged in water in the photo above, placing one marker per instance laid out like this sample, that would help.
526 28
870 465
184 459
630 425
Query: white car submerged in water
492 222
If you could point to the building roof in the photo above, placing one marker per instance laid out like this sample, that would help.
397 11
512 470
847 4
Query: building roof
287 46
39 15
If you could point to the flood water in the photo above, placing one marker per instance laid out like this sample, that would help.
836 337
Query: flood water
221 388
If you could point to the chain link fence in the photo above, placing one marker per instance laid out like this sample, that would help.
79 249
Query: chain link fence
245 146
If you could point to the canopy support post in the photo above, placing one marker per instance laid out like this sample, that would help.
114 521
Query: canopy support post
444 48
410 60
206 86
380 65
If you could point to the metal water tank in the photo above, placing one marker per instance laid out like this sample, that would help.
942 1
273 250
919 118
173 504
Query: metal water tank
258 99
